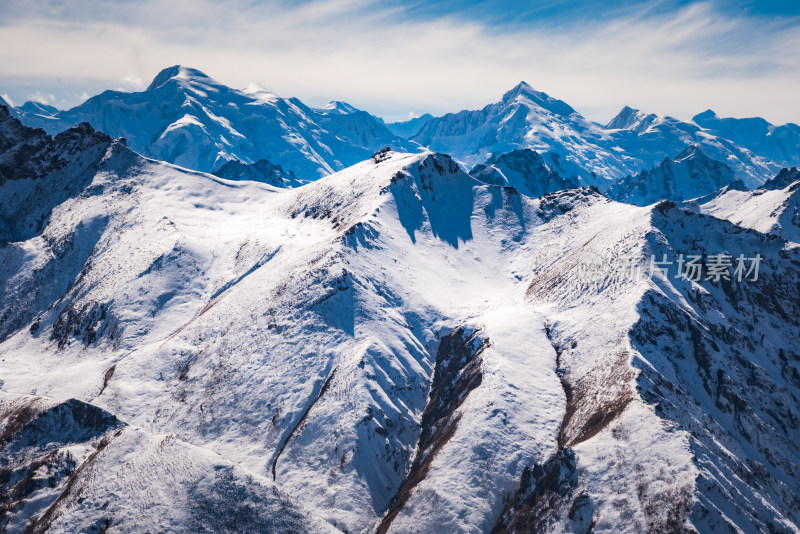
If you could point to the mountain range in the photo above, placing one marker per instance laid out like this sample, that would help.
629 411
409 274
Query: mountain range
691 174
187 118
412 343
631 142
525 170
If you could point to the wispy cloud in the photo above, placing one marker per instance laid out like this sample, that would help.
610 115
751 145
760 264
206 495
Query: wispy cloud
42 98
133 82
678 61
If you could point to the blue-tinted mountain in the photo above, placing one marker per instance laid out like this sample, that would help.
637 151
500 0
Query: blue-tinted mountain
188 118
409 128
260 171
780 144
691 174
524 169
631 142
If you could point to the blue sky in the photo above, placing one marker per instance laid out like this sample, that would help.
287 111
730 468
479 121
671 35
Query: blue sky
397 58
566 12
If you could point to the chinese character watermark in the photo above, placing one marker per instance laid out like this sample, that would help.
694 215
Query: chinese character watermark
715 268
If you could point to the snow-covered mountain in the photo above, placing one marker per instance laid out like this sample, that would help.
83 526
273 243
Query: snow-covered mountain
524 118
40 115
37 108
692 174
69 466
357 127
649 138
773 208
524 169
396 347
409 128
187 118
631 142
38 172
783 179
776 143
260 171
631 119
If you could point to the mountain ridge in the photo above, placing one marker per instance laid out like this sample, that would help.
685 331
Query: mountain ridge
188 118
397 346
689 175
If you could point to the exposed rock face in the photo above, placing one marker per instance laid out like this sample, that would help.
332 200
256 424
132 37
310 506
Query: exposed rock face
783 179
524 169
457 373
260 171
243 355
690 175
45 171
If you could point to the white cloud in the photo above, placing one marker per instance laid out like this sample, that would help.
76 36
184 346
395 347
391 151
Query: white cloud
678 63
134 82
7 99
42 98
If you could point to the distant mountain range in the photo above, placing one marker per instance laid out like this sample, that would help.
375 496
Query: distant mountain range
409 128
526 170
631 142
187 118
692 174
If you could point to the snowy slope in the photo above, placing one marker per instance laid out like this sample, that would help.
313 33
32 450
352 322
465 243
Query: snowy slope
358 127
36 113
37 108
525 170
73 467
773 208
187 118
690 175
631 142
402 348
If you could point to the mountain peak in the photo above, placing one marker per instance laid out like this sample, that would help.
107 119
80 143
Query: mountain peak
523 90
337 107
784 179
181 73
631 119
693 151
707 114
626 117
523 86
259 92
38 108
